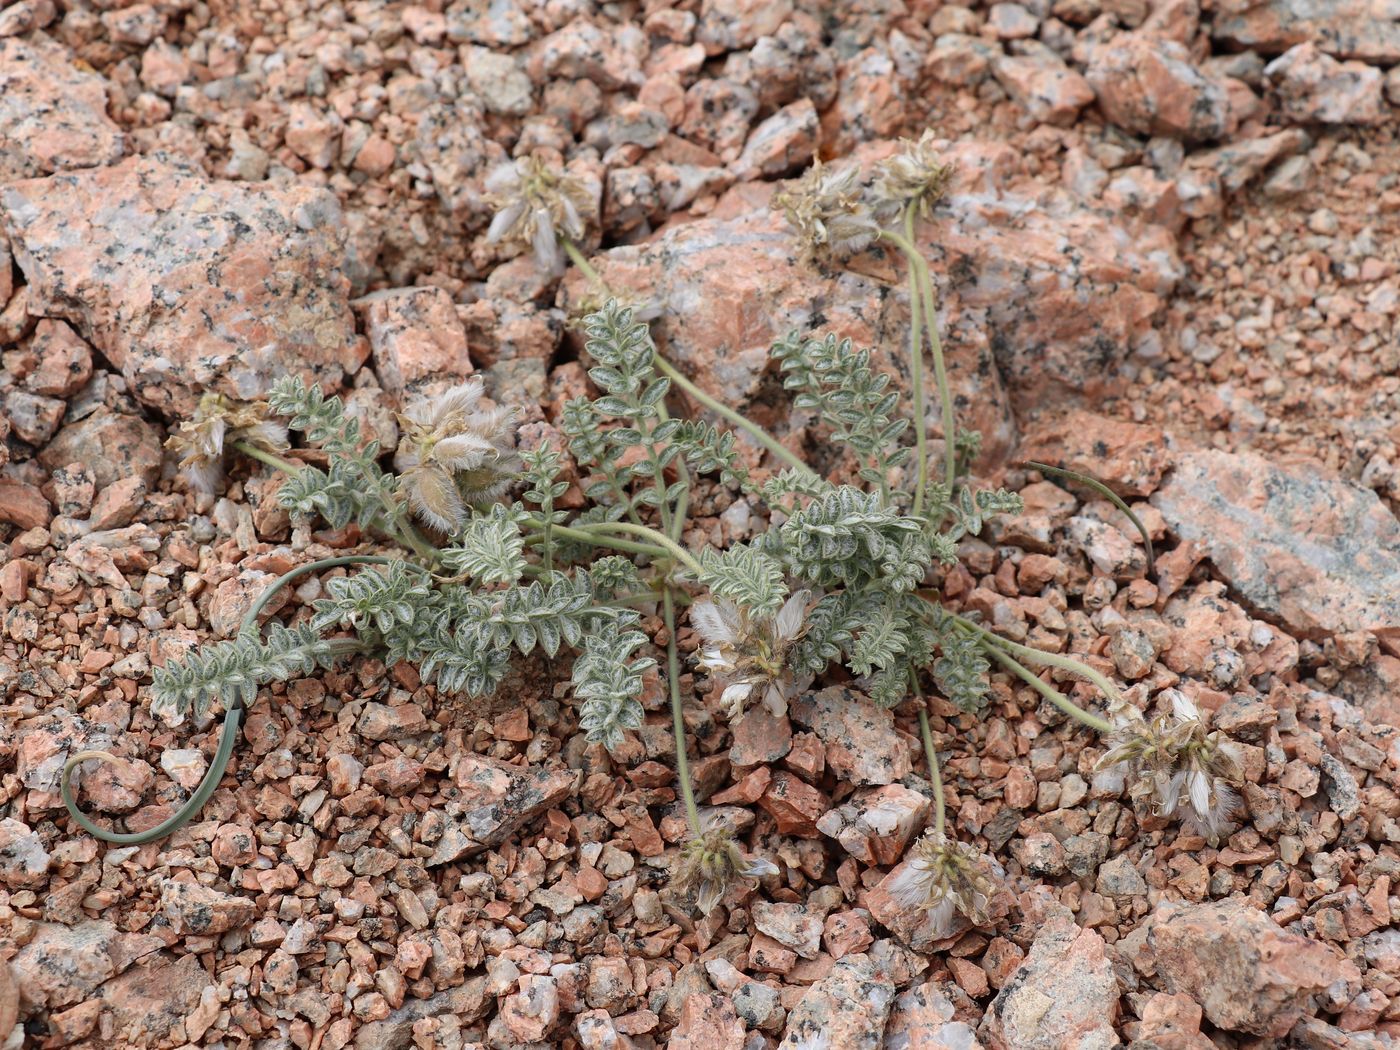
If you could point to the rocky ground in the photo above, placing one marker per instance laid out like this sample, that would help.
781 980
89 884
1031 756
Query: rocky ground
1169 260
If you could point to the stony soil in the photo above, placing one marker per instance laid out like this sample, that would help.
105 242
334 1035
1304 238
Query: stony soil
1170 260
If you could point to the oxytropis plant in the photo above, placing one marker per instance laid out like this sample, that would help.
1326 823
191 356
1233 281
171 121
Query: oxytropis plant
840 577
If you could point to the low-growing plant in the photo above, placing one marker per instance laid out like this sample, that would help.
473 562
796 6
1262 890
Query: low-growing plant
840 577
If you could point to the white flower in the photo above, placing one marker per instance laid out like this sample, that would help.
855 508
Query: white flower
945 877
1178 766
710 862
747 655
537 206
219 422
829 212
454 453
914 176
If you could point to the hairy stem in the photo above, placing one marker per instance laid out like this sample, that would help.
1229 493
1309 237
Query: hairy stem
1048 691
1108 494
585 267
738 419
916 371
672 548
215 773
262 455
1039 656
585 534
934 772
673 672
940 368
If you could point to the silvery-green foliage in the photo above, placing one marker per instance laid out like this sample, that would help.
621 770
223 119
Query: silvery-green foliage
710 450
746 576
859 404
231 672
848 538
490 547
353 487
607 684
375 598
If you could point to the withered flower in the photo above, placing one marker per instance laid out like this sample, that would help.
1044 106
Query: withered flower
748 655
454 454
219 422
915 175
828 209
1178 766
944 877
710 862
536 205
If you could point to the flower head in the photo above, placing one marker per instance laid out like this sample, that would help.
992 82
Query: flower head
454 453
913 176
1174 762
828 210
218 422
945 877
711 861
748 654
535 206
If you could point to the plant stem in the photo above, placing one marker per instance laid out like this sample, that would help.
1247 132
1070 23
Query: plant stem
1048 691
215 773
673 672
916 371
250 618
262 455
1039 656
935 774
940 368
738 419
673 548
1108 494
585 267
570 532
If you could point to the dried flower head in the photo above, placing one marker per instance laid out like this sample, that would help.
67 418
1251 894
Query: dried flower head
913 176
1179 766
454 453
945 877
710 862
535 206
828 209
218 422
748 654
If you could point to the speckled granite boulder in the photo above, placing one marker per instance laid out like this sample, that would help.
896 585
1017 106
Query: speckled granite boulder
1064 994
185 283
1318 554
847 1008
1247 973
53 114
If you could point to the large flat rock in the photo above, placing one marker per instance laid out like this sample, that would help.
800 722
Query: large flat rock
187 283
1305 549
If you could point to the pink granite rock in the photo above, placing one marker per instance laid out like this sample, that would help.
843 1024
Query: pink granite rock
1150 86
112 444
1129 458
53 114
1247 973
195 909
419 344
1314 88
1314 552
63 965
847 1008
1063 994
708 1022
923 1019
24 862
187 284
877 824
862 746
495 799
1342 28
1048 90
